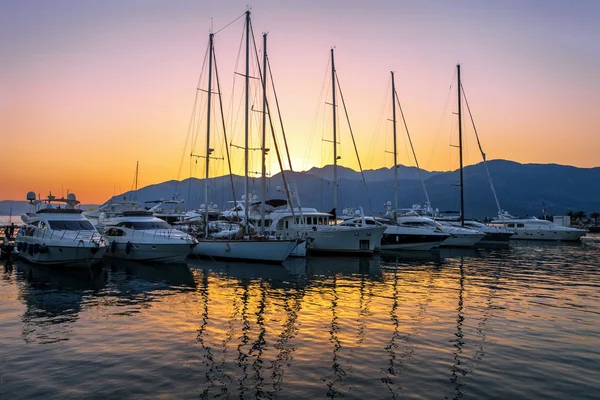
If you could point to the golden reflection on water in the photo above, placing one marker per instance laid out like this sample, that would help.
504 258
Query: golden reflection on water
328 327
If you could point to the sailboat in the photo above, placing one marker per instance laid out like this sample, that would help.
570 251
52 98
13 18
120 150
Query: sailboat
245 246
493 235
404 237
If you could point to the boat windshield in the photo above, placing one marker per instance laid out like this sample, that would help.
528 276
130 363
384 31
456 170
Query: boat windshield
142 225
71 225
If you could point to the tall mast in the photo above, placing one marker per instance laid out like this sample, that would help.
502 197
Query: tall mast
264 141
395 151
208 150
246 120
460 149
137 166
335 192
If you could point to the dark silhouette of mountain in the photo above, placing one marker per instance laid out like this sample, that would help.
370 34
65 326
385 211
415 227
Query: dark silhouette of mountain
371 175
521 189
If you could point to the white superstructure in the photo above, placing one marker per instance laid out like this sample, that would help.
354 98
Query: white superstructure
58 235
138 235
537 229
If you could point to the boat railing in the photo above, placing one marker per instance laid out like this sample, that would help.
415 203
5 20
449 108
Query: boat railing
91 237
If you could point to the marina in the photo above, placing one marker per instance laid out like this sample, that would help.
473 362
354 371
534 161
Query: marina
312 214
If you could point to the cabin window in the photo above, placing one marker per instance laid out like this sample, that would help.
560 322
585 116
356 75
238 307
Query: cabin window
114 232
141 225
286 224
297 220
511 225
71 225
320 220
280 224
520 225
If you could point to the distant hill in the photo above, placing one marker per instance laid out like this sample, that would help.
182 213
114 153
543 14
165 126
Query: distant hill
371 175
521 189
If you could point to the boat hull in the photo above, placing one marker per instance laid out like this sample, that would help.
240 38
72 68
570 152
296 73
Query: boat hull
548 235
150 252
81 256
272 251
495 239
299 250
399 239
460 240
360 240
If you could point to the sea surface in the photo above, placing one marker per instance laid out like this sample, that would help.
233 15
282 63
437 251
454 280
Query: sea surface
522 323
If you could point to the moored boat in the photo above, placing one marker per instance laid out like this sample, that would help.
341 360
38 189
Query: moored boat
58 235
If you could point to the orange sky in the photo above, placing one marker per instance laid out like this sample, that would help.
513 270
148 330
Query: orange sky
88 89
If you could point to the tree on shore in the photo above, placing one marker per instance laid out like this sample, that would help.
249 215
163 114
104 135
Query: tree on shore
595 216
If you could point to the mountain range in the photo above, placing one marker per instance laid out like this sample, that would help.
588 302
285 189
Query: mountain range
522 189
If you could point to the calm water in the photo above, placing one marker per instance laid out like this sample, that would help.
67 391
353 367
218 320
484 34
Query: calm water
520 324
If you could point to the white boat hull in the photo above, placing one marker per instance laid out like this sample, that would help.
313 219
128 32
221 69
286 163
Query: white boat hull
157 252
549 235
458 240
65 255
299 250
402 238
250 250
345 240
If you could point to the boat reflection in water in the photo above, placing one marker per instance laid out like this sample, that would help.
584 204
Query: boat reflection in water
393 325
54 298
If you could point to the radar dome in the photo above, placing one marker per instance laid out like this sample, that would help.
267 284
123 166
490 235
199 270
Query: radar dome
31 196
71 196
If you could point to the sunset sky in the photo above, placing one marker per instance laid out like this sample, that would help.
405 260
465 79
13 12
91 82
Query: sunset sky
87 89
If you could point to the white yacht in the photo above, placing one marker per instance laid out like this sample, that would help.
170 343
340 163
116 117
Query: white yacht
58 235
459 237
321 234
139 235
495 236
171 211
110 209
401 237
532 228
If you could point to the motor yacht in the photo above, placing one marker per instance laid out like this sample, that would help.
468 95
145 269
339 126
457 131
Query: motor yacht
398 237
110 209
532 228
318 228
58 235
495 236
139 235
459 237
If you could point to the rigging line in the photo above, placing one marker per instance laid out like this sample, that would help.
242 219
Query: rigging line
354 142
384 107
226 26
263 79
441 121
224 137
419 172
232 124
284 138
189 133
481 150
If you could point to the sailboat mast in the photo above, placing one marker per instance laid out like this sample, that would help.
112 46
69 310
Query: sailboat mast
395 151
264 136
460 149
137 166
208 151
247 84
335 192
